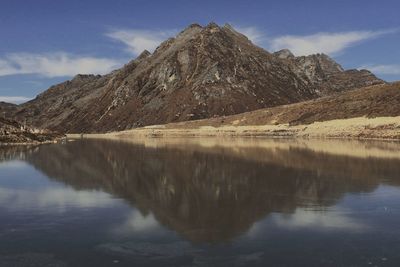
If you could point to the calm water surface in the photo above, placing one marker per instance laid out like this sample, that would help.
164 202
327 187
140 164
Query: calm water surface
200 203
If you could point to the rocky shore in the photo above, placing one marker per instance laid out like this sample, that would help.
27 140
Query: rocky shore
12 132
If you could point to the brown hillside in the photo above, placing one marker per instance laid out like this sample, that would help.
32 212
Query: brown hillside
373 101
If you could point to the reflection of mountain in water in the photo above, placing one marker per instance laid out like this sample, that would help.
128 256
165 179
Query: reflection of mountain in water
211 194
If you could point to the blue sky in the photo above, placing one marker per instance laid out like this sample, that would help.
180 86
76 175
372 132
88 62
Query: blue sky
44 42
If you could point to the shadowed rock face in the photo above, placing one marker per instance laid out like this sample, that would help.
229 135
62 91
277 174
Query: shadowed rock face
201 73
211 194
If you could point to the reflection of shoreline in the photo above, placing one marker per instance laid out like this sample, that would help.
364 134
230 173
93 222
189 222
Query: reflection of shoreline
355 159
380 128
213 191
352 148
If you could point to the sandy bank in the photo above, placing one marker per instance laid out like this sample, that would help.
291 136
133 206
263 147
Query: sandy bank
361 127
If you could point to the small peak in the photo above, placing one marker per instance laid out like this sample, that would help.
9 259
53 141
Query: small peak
324 56
83 77
191 27
284 53
228 26
144 55
194 25
326 62
212 25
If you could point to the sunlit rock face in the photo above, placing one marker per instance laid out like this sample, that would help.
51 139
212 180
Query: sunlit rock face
211 194
201 73
326 75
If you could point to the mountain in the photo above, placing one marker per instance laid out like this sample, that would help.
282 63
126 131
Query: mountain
201 73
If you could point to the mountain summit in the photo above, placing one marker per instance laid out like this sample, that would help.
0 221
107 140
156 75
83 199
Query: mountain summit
201 73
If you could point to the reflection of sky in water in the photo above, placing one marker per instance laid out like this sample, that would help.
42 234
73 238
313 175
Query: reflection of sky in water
23 188
332 220
136 222
355 213
54 199
109 223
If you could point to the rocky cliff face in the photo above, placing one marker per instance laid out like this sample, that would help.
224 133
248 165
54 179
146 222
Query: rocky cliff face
327 75
201 73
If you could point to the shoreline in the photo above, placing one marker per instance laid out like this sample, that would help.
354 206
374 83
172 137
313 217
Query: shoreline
30 143
380 128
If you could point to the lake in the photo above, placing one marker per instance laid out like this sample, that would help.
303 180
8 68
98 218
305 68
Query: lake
200 202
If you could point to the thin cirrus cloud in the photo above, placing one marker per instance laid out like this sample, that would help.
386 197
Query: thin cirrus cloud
332 43
136 41
54 64
253 33
323 42
60 64
393 69
328 43
14 99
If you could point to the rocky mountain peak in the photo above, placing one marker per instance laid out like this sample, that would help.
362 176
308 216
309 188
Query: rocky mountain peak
144 54
192 28
83 77
229 27
201 73
329 76
284 54
212 25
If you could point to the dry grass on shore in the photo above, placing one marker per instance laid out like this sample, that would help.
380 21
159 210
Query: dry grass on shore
361 127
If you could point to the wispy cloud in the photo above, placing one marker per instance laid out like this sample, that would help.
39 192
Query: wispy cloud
137 41
383 69
136 222
56 200
14 99
323 42
54 64
303 219
253 33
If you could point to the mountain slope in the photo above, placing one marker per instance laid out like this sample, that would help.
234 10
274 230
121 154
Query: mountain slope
371 112
203 72
371 102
